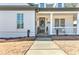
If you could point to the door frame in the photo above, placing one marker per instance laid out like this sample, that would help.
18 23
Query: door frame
45 31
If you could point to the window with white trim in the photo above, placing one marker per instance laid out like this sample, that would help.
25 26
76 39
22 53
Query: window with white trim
42 5
59 5
20 23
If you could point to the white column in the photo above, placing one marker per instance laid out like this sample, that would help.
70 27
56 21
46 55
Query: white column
51 23
78 23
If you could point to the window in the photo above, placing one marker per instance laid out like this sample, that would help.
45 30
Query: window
49 5
20 24
62 22
59 22
41 5
59 5
56 22
74 23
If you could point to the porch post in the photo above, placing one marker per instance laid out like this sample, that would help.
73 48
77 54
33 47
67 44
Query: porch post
51 23
78 23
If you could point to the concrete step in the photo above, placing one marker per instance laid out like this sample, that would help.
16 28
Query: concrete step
43 39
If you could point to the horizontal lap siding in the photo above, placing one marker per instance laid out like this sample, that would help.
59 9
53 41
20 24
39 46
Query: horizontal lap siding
8 24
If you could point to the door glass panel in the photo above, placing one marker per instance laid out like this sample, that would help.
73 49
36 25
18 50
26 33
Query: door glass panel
42 23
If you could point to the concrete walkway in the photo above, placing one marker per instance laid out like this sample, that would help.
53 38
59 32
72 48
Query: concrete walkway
47 47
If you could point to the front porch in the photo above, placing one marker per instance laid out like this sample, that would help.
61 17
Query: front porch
57 23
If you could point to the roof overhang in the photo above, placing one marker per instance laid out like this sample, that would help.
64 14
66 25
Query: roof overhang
16 7
24 7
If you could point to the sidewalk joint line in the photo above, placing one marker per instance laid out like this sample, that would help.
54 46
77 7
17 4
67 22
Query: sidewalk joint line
28 48
61 48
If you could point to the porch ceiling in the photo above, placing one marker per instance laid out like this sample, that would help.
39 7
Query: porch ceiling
58 9
61 13
43 15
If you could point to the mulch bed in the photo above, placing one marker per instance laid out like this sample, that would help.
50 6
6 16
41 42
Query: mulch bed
17 39
65 37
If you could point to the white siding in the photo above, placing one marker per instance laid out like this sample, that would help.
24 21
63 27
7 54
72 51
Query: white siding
78 23
69 25
8 24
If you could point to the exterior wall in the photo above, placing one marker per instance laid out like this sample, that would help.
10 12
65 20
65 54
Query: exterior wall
8 24
68 22
69 25
78 23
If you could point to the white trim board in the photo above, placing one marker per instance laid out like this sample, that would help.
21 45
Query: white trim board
58 12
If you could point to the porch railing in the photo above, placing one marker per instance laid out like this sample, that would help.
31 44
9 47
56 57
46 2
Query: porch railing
64 30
